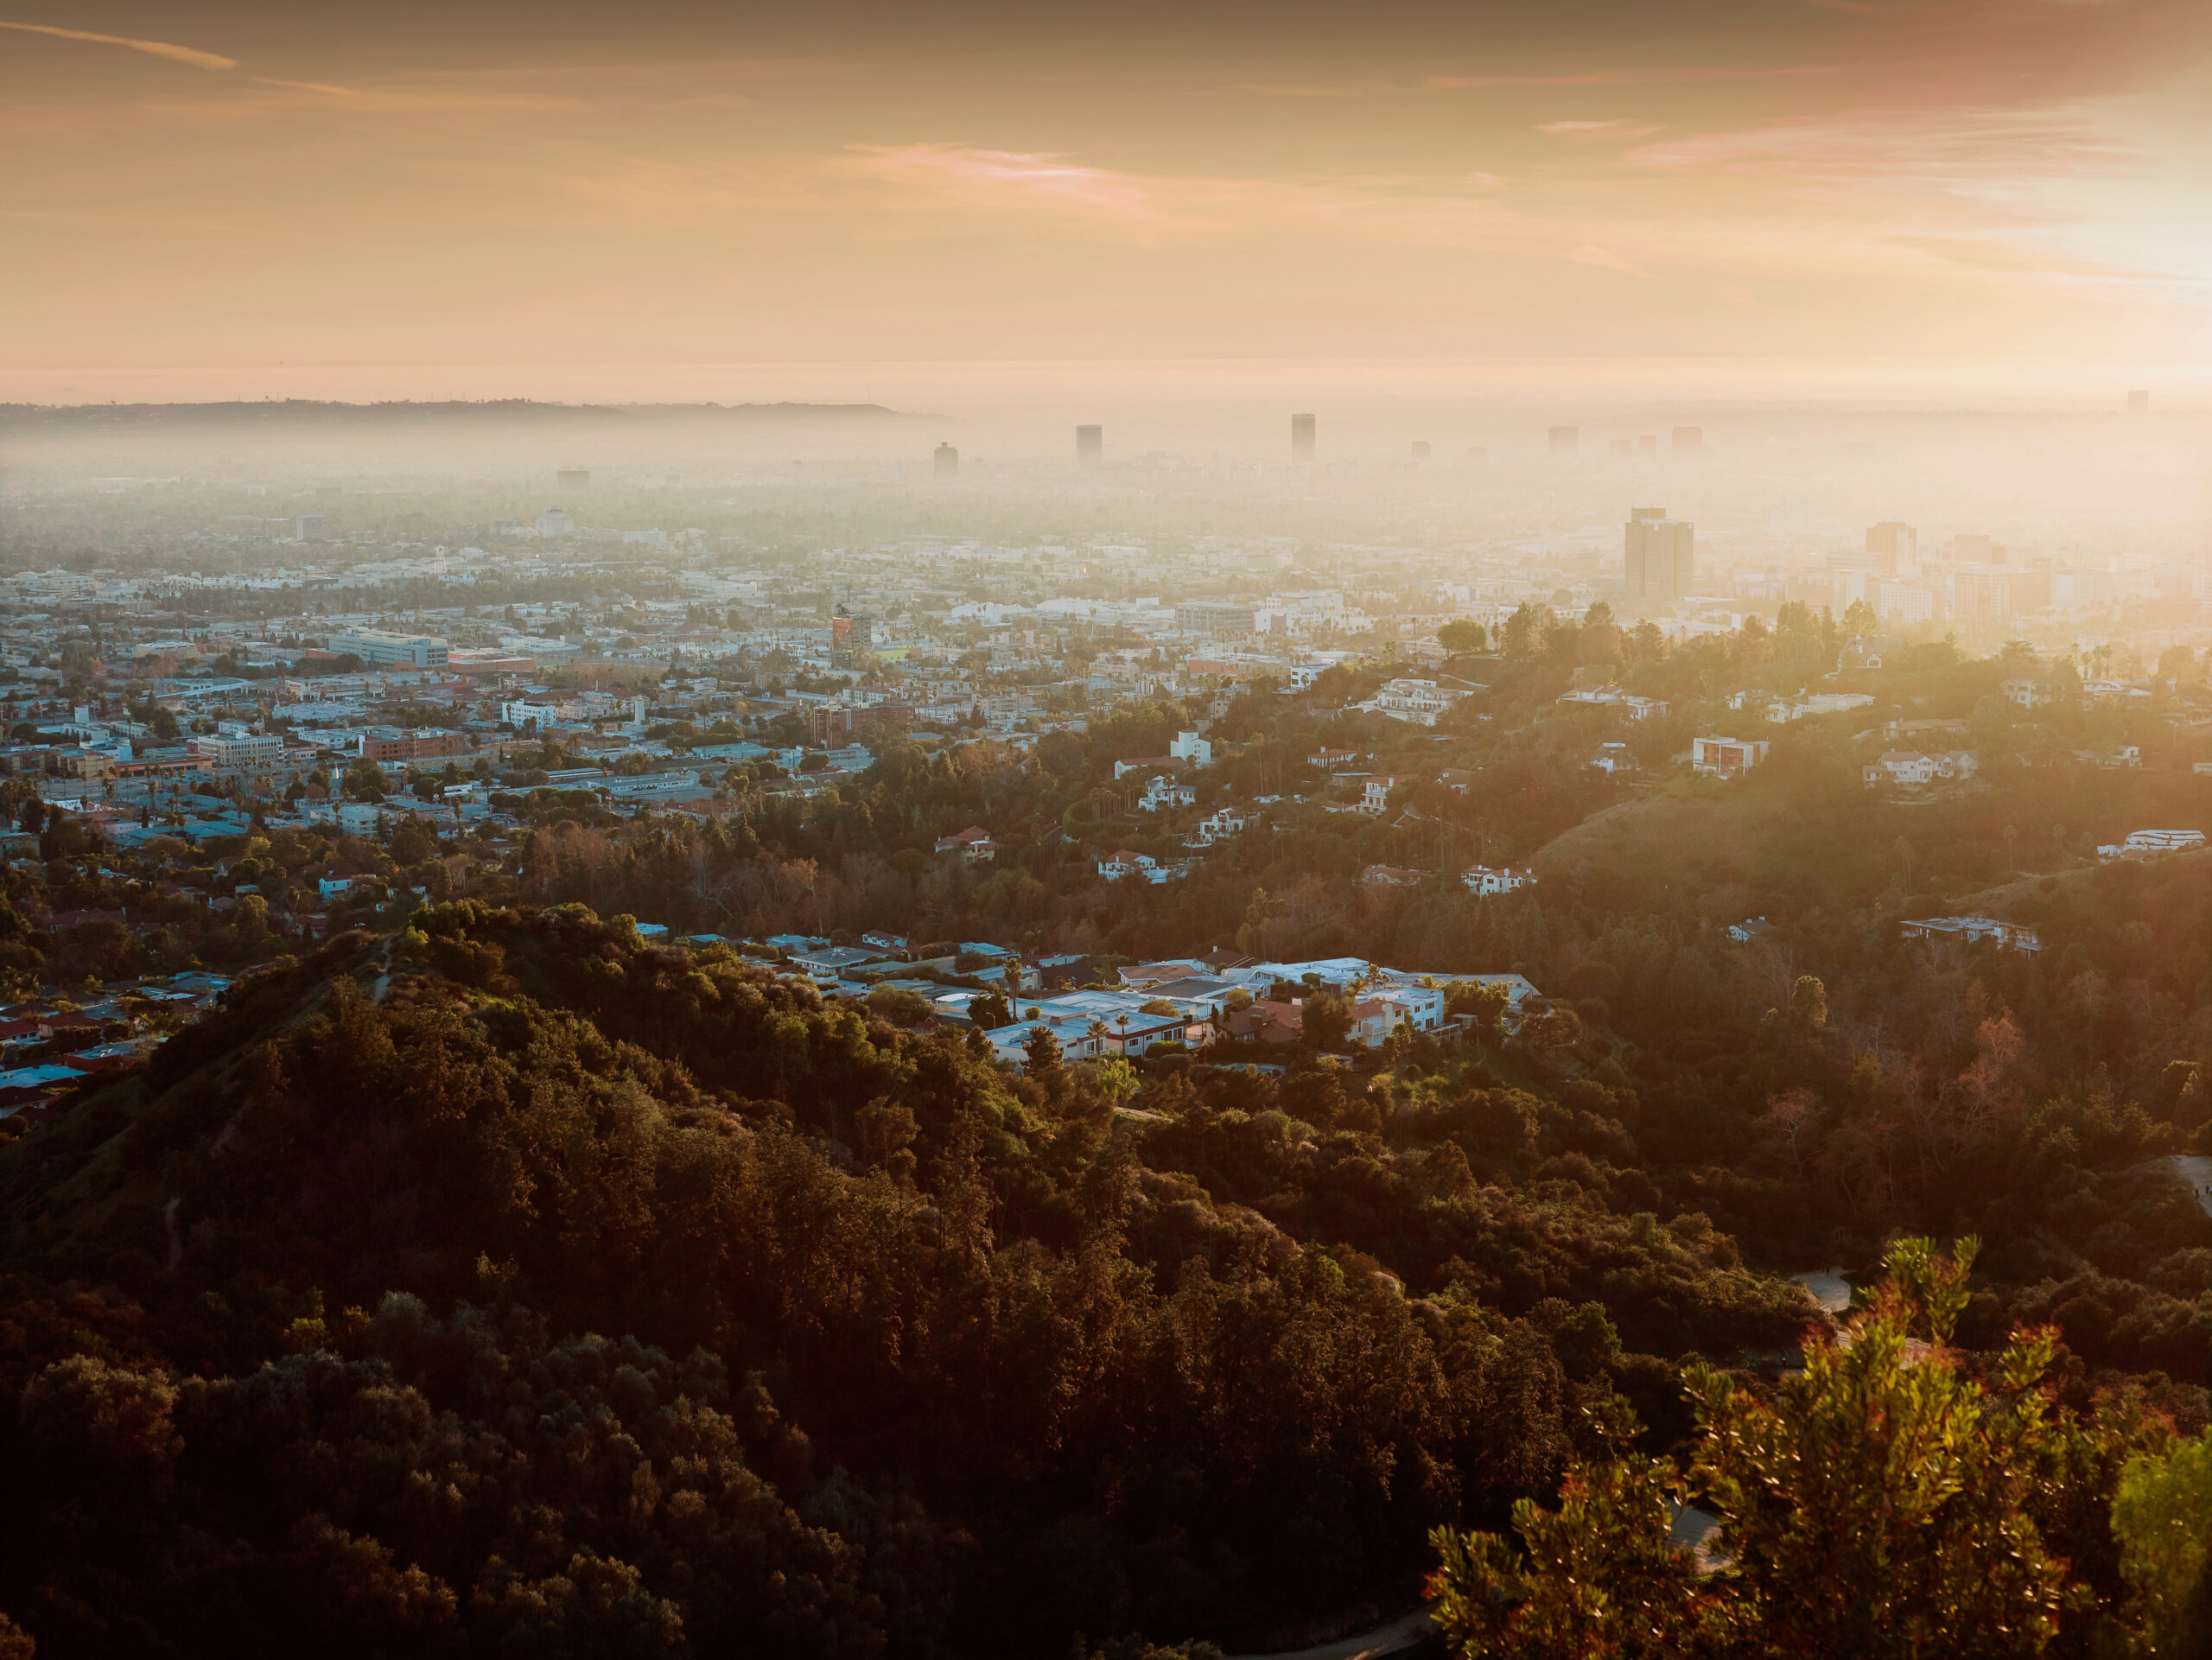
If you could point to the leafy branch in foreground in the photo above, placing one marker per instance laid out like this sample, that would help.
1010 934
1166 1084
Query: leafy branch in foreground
1893 1499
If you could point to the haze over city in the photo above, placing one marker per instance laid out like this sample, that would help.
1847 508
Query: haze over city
1132 832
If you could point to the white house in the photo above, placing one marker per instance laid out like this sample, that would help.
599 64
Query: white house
1483 880
1615 759
1164 792
1910 769
1419 701
1376 795
1221 823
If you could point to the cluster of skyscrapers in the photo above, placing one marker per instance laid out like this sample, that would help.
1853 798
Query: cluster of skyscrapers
1091 446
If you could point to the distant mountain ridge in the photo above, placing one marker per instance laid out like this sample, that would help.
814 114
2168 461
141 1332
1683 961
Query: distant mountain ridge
312 412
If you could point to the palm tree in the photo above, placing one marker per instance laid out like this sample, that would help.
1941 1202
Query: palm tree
1097 1034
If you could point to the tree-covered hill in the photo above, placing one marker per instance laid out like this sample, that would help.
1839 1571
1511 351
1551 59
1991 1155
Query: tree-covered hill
517 1286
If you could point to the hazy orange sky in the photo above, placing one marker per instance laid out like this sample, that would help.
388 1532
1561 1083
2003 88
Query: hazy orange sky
195 192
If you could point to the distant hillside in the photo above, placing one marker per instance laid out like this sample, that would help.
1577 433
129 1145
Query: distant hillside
308 414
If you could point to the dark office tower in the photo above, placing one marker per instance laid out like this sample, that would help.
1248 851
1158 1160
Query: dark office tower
1302 437
1649 443
1690 441
1895 547
948 461
1624 450
574 478
1565 440
1420 449
1090 446
852 637
1658 560
2138 403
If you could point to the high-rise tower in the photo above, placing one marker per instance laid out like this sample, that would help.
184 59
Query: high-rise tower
1658 560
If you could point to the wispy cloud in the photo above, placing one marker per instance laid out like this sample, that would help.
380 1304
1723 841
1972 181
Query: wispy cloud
1589 253
1617 128
1632 76
1327 89
1033 175
176 54
1954 146
307 87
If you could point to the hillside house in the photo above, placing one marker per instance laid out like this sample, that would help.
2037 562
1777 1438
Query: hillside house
1124 866
1914 769
2007 936
1161 792
1483 881
1222 822
1386 1008
973 844
1268 1021
1726 757
1416 701
2146 843
2031 693
1626 704
1374 794
1389 876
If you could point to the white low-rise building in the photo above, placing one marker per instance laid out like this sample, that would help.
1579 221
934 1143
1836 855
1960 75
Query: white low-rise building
2143 844
1913 769
1484 881
1628 703
1784 711
1726 757
1190 746
2007 936
1125 866
1419 701
251 749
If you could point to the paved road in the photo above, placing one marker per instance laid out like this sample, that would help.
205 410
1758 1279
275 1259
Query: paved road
2197 1171
1829 1288
1400 1635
